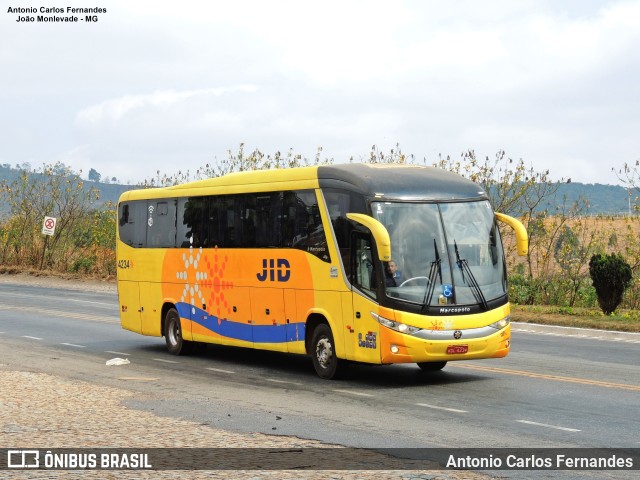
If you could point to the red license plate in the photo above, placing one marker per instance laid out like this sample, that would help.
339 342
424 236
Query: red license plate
457 349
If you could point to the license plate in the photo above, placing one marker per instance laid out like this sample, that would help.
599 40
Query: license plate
457 349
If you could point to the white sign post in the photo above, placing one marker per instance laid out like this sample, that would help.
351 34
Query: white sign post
48 229
49 226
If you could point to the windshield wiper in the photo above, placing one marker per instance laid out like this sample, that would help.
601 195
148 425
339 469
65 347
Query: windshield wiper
435 249
435 269
472 282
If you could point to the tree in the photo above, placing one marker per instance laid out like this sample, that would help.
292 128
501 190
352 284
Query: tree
53 190
512 187
573 248
94 176
237 162
611 276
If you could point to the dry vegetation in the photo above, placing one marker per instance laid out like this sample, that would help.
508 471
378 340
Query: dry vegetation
555 273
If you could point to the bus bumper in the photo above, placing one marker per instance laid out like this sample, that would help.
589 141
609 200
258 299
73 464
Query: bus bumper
396 347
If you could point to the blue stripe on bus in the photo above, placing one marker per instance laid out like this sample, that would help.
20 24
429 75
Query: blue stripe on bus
241 331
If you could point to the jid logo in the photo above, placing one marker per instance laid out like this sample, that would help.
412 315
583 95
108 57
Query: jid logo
275 268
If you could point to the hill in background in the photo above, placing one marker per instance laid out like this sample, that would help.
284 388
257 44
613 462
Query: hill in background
603 199
109 192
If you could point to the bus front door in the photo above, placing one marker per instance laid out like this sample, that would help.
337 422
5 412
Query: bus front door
363 285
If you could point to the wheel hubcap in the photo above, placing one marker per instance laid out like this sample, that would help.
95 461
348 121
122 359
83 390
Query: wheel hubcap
174 333
324 352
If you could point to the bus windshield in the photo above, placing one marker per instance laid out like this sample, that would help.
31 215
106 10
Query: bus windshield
443 253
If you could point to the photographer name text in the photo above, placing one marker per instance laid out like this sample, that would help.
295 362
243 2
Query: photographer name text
57 14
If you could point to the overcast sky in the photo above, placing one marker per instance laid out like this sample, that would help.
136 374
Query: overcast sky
167 85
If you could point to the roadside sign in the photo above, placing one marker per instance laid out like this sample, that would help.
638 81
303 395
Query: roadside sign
49 226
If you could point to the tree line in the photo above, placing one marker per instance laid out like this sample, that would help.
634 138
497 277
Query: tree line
563 240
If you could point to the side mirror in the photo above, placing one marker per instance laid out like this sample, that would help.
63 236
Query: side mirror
522 239
379 232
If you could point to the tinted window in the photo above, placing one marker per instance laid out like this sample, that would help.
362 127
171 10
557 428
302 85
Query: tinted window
339 203
255 220
268 215
229 222
364 272
248 221
161 223
302 224
190 225
133 223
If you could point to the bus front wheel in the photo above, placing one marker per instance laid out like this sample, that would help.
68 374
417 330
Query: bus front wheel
431 366
173 333
325 361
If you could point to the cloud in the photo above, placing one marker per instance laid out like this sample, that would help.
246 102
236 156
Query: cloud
154 84
114 110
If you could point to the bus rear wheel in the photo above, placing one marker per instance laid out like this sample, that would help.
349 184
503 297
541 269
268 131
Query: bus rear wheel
325 361
176 344
431 366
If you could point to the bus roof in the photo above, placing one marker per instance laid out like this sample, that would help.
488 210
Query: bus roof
400 182
236 182
387 181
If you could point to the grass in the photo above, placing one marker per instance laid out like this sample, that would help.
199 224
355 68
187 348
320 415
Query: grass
622 321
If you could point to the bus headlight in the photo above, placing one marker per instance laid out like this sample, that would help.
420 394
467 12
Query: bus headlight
500 324
398 327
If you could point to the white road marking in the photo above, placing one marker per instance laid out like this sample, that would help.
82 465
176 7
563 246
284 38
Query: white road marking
454 410
350 392
275 380
219 370
65 314
32 338
94 303
164 361
11 294
118 353
627 337
73 345
565 429
140 379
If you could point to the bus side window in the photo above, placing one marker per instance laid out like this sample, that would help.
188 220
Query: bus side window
229 225
212 211
268 209
132 223
362 264
161 224
125 223
124 214
339 203
249 217
302 226
190 224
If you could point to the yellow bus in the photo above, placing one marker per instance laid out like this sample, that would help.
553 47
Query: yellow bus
346 263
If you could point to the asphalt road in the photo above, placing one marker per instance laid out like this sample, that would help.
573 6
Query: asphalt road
553 390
